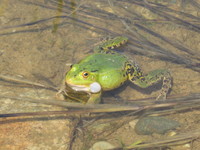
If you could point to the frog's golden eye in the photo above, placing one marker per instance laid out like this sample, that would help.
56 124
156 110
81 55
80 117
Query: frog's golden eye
85 74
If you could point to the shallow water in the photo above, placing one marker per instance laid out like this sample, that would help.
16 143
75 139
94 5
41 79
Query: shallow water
40 38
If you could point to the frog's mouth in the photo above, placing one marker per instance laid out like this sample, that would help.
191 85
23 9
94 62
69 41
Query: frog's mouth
94 87
79 87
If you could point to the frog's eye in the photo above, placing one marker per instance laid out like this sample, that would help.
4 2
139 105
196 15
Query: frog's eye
85 74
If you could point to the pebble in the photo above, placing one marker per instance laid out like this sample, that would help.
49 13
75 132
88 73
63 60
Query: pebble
154 124
102 145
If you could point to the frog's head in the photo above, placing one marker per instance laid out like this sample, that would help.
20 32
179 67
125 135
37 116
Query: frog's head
80 79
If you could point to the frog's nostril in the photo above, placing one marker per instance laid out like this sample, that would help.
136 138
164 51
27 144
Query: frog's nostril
74 67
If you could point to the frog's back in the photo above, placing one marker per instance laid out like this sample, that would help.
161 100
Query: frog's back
103 62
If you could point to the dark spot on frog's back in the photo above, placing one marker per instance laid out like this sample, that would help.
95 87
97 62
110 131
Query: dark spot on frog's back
94 70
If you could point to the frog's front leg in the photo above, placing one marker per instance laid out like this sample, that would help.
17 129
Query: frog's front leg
152 78
95 98
106 46
62 91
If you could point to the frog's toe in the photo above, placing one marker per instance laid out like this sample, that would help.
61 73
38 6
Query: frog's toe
161 97
60 95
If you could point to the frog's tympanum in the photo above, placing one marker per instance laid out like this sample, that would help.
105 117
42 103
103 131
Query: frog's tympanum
106 70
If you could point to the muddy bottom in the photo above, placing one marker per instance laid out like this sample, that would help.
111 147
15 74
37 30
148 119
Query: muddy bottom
39 47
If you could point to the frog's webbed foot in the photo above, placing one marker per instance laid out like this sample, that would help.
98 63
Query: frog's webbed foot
165 87
161 97
95 98
61 94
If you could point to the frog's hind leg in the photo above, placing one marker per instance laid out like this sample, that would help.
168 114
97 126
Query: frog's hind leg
152 78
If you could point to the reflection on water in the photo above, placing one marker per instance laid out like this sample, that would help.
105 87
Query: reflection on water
56 21
3 6
38 37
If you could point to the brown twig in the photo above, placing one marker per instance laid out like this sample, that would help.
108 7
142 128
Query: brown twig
24 81
182 103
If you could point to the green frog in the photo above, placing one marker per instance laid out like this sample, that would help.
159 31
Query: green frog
106 70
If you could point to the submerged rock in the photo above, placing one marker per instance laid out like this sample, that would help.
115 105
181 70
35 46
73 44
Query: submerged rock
102 145
154 124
